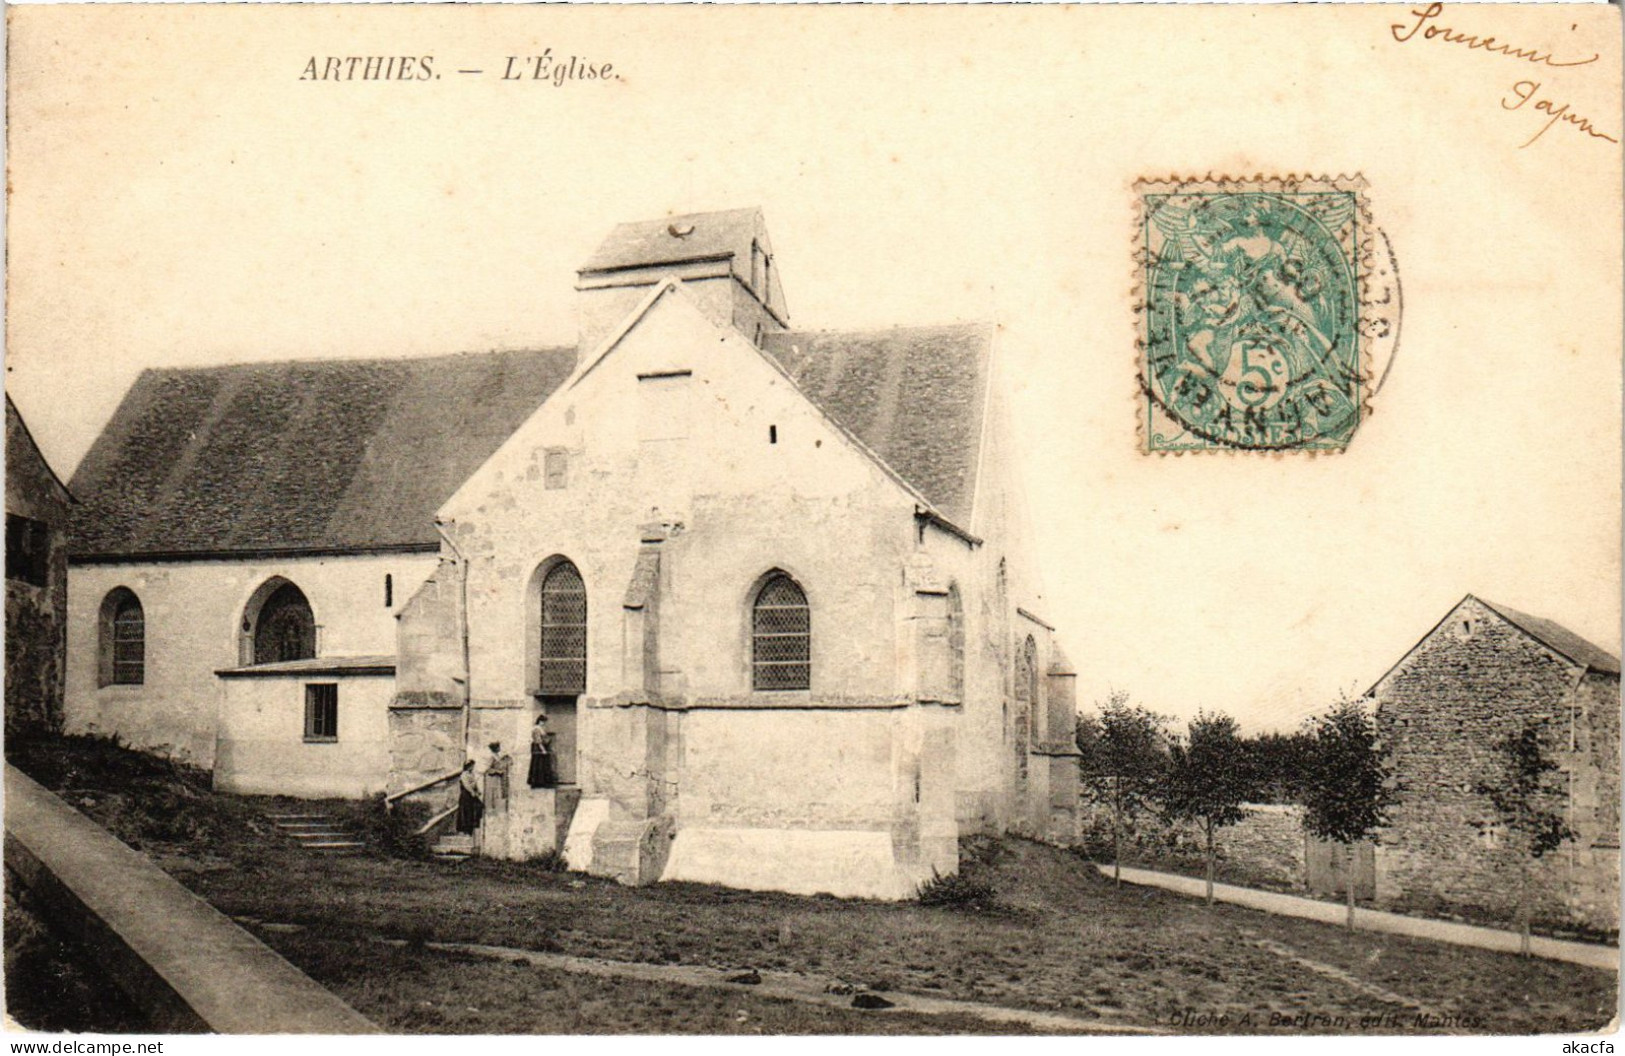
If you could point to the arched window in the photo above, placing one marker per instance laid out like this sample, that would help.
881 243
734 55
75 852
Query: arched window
780 636
123 652
956 644
564 632
285 628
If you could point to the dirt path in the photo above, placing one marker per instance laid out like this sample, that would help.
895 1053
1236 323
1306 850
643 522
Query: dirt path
794 986
1338 975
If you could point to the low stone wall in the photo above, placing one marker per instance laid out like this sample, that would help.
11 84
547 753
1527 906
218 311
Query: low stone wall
1265 848
183 963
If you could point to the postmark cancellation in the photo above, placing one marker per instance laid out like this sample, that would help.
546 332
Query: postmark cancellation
1257 313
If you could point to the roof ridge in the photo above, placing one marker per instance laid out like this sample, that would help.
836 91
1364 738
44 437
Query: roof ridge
984 324
336 360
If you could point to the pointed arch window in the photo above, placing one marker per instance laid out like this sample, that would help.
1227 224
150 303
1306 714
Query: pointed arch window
781 636
564 632
123 639
285 627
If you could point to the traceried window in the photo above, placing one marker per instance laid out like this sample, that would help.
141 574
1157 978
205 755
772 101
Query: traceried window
781 636
564 632
285 628
123 639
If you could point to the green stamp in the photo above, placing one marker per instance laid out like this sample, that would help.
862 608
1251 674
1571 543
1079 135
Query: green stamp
1251 317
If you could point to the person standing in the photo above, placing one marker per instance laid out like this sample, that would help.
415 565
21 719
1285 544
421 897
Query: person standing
542 774
470 809
496 779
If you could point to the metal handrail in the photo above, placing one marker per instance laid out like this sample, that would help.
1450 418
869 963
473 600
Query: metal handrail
450 775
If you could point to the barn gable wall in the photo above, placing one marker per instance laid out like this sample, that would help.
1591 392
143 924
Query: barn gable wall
1475 679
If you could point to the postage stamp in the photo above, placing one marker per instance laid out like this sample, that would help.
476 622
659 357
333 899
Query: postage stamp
1253 328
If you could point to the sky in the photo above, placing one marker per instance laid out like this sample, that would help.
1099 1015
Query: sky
181 197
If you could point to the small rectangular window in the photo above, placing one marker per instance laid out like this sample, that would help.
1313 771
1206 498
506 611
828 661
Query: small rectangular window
556 469
389 590
322 712
28 550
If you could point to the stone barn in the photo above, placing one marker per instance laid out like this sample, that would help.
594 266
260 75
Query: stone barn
37 509
1476 677
771 587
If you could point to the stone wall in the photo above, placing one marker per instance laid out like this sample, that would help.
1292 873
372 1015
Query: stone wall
1474 680
1266 848
424 743
36 613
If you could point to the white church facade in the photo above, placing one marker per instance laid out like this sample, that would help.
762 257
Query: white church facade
771 587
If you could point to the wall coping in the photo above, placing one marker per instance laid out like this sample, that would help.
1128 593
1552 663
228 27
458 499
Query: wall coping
360 666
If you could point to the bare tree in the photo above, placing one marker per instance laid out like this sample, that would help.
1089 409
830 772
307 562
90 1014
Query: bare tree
1522 796
1208 779
1346 789
1125 750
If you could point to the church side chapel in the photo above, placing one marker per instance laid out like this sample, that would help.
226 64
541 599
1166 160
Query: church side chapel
769 588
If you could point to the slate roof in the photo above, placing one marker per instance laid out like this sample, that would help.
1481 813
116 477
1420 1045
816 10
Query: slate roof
343 455
915 396
1558 638
644 243
27 457
304 455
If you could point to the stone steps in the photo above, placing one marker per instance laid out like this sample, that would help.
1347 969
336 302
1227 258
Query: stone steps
316 832
453 846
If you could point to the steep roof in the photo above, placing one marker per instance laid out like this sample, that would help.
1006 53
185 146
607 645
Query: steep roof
673 239
1552 635
1558 638
23 455
916 396
304 455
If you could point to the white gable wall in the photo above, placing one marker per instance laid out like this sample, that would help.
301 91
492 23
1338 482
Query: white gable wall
810 504
727 767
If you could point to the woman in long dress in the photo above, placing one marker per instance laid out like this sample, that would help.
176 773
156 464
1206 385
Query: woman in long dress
470 810
542 774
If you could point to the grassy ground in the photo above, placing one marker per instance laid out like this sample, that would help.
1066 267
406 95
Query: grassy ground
1059 938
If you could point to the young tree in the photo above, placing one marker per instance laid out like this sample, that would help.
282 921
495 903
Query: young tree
1519 791
1280 762
1208 779
1124 752
1346 793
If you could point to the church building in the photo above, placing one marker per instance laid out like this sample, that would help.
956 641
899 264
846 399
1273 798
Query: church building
770 587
